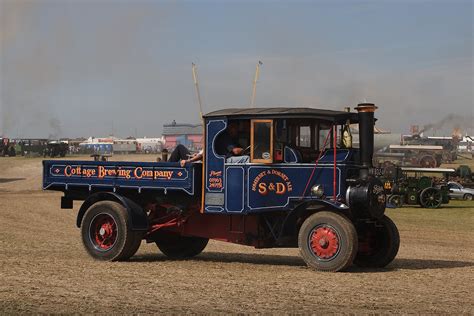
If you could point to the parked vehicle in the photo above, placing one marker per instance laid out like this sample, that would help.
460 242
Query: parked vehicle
416 186
56 149
303 186
7 148
457 191
33 146
124 146
425 156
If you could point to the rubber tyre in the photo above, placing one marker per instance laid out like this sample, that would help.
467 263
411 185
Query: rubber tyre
346 236
126 242
395 200
425 198
383 247
180 247
467 197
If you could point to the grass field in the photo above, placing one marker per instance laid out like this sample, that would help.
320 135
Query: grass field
456 214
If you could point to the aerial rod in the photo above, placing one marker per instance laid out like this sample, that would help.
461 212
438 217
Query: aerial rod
196 85
254 88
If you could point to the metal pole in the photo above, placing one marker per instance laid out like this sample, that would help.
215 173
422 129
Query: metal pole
254 88
196 84
334 175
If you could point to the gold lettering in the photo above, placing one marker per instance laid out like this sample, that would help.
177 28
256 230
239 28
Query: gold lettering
137 173
280 188
101 172
262 188
67 171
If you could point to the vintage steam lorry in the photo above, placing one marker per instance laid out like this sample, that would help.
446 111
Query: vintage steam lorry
301 186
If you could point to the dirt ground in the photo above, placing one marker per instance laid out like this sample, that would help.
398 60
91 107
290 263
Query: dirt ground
44 269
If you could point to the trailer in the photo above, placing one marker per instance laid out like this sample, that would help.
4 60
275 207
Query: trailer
298 184
124 146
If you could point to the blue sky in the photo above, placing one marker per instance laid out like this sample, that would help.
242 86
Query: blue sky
81 68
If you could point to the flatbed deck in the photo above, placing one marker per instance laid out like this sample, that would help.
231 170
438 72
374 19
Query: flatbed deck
64 175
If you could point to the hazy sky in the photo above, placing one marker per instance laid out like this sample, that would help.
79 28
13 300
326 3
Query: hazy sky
83 67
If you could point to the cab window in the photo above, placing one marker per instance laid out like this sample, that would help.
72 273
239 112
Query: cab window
304 137
323 137
261 141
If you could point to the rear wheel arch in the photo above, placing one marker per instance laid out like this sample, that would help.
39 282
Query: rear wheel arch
137 216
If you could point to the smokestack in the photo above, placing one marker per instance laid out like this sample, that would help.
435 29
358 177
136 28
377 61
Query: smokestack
366 135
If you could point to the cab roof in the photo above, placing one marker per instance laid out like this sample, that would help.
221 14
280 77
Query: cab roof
281 112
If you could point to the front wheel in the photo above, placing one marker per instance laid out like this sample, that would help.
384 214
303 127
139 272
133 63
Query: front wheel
468 197
395 200
327 241
378 243
106 234
181 247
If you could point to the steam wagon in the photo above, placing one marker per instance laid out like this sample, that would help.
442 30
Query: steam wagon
288 177
426 187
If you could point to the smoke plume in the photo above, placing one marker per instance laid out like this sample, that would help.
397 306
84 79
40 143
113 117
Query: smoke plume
452 121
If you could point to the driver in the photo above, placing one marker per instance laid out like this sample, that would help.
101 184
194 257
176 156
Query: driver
227 145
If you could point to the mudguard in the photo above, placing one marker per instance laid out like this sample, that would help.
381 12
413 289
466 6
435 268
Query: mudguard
137 217
311 206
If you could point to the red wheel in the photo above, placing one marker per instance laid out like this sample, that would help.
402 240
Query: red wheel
428 162
327 241
324 242
106 233
103 232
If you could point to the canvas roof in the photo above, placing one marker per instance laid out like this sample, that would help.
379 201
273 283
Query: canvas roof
285 112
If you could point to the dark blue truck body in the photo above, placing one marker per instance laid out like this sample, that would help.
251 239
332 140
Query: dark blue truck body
246 188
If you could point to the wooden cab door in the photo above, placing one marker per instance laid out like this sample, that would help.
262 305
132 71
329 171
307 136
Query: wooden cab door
261 141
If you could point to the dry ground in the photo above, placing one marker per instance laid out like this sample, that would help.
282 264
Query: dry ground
43 268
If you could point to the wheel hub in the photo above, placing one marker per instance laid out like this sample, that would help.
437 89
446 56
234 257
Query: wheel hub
103 231
324 242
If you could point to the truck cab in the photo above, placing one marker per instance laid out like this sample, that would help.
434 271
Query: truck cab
269 177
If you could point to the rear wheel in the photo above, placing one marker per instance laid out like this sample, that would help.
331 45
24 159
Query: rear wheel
327 241
181 247
106 234
428 162
378 243
431 198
